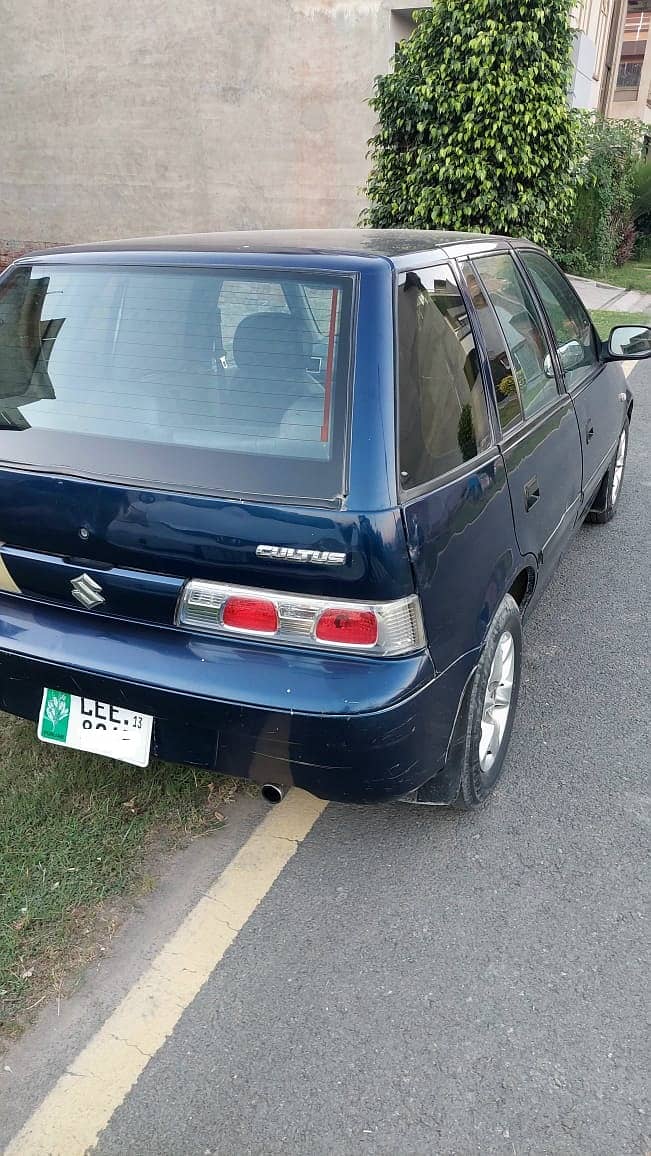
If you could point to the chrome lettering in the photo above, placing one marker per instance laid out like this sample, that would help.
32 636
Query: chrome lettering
296 554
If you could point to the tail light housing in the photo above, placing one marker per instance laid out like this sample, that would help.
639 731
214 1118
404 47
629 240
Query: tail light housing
349 627
385 629
254 615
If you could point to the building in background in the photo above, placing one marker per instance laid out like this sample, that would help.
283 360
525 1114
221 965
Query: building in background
131 118
631 96
597 25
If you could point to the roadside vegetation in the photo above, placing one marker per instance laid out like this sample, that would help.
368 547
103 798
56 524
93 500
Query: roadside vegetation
605 320
633 275
474 129
608 218
474 132
76 835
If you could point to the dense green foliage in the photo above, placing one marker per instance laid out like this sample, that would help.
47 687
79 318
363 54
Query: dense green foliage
474 126
642 207
602 231
642 190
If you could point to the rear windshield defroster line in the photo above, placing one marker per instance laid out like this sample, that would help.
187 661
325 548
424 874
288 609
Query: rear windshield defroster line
221 380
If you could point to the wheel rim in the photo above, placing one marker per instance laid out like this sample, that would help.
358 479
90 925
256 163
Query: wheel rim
618 472
497 702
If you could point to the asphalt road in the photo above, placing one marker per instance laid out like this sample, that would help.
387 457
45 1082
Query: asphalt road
423 982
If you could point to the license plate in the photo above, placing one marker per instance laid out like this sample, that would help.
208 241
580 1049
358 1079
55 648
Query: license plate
97 727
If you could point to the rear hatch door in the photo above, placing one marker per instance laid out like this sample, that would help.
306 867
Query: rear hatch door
163 423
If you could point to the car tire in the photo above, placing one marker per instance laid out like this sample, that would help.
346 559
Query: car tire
604 506
493 703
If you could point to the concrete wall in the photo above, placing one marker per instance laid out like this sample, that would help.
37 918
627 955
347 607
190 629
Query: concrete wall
155 116
159 116
584 93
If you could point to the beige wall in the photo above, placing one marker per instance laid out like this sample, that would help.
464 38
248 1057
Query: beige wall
147 116
156 116
589 16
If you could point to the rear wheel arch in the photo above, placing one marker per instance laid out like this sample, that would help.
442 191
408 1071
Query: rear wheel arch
522 587
521 591
492 707
445 787
604 504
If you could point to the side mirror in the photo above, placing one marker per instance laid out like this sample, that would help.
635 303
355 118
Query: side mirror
571 356
627 342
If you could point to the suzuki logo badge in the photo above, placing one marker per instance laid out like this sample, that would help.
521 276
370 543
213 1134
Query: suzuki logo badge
87 591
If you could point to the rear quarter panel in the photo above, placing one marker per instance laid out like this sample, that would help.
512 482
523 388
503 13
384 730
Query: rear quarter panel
465 557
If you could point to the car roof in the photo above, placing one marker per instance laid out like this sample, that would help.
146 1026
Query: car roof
392 244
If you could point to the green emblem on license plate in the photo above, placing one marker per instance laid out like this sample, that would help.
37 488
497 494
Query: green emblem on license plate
56 716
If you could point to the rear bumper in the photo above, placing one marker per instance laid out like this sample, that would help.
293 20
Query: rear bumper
344 728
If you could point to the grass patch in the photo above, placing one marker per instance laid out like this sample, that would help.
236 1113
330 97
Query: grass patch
605 320
74 834
632 275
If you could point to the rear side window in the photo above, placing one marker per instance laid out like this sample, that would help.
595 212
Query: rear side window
522 329
509 406
187 378
443 414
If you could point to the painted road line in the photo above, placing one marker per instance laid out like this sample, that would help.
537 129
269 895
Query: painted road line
71 1117
6 581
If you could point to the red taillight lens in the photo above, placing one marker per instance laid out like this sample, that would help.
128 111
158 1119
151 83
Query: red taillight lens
352 627
251 614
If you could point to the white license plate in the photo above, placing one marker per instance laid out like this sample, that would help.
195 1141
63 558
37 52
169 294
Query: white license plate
97 727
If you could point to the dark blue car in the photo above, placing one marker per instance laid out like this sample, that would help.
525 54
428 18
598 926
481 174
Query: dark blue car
276 504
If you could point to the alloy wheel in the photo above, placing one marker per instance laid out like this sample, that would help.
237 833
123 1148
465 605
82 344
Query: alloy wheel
497 702
618 472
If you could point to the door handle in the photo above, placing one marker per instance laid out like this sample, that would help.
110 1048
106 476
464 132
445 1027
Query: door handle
589 431
531 493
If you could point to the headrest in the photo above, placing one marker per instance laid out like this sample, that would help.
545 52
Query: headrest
272 344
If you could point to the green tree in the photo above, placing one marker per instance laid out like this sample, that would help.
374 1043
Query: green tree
474 128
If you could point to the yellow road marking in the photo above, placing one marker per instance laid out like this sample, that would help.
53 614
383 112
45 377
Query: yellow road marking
6 581
71 1117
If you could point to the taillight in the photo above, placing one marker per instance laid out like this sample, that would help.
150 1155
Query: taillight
255 614
350 627
385 629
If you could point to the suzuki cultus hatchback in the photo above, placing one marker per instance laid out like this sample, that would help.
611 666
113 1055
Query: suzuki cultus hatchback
275 504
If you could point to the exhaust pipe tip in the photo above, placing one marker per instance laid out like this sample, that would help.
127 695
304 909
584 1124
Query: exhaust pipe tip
273 793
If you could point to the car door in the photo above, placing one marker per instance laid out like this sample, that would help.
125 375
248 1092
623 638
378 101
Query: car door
598 389
539 438
454 494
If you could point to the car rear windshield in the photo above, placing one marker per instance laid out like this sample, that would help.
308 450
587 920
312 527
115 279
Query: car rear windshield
216 380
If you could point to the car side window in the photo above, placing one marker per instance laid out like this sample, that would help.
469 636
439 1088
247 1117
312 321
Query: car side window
507 396
442 404
522 328
570 323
